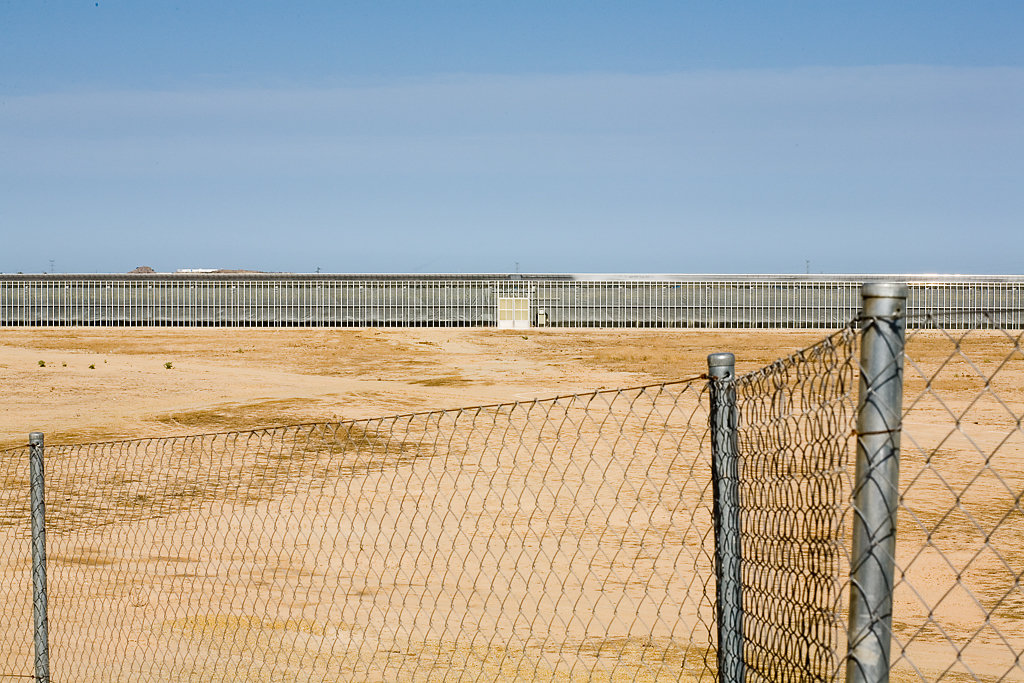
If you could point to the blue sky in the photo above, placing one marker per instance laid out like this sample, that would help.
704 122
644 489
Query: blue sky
471 136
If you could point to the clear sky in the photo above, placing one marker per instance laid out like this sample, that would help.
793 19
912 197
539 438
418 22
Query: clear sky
454 136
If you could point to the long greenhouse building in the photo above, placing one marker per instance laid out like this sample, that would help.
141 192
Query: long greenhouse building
493 300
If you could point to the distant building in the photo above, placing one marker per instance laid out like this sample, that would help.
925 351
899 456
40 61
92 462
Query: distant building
204 297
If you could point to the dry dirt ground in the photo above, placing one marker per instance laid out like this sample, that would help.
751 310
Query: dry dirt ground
211 584
100 384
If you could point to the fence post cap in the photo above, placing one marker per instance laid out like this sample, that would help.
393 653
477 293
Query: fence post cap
718 360
35 437
884 290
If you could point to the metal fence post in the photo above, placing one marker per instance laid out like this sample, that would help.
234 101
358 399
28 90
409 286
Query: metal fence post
875 490
724 420
38 512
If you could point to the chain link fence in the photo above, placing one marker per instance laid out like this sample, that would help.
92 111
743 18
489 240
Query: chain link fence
796 523
16 619
561 539
794 481
959 580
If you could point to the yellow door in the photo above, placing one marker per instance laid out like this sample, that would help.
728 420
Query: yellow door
513 312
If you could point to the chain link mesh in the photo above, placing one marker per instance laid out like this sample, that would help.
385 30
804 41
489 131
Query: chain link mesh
560 539
15 566
794 443
958 596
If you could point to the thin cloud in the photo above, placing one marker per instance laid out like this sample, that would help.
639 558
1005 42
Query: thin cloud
763 156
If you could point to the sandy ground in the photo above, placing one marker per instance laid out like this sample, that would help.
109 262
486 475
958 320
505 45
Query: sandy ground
210 579
112 383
